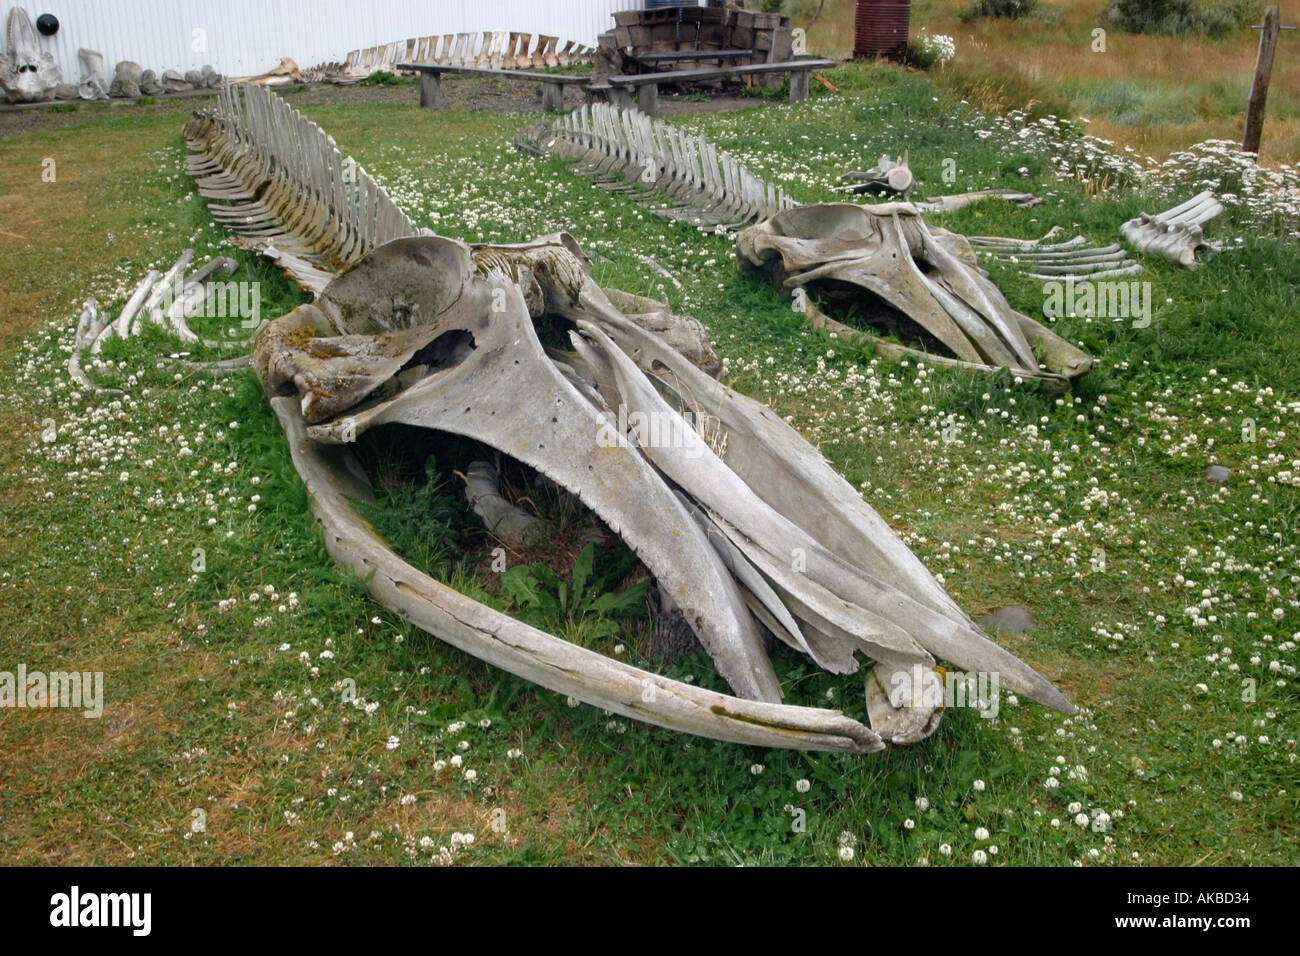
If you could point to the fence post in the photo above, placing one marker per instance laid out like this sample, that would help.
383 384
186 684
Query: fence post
1263 73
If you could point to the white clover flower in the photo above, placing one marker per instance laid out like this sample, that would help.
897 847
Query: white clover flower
909 824
979 786
981 833
1081 820
945 849
846 853
922 804
979 857
756 769
393 743
803 785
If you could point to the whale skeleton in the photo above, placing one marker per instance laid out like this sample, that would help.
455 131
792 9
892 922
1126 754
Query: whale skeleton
746 528
496 49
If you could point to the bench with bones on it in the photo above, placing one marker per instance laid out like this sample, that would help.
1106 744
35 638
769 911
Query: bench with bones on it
552 83
618 89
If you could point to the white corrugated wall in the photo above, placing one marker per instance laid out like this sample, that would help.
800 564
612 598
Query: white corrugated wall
243 37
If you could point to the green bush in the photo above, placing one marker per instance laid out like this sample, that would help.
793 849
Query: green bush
384 78
1177 17
1003 9
799 11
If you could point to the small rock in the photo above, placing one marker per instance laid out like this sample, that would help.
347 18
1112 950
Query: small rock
194 78
128 71
149 84
123 89
174 82
1217 474
1011 619
66 91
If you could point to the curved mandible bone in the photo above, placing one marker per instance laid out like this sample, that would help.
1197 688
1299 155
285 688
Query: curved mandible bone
532 654
796 481
506 393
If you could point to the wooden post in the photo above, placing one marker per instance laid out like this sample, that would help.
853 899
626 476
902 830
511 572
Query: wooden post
799 85
552 96
1259 86
430 90
647 99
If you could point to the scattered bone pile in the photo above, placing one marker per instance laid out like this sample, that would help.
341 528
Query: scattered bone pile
497 49
889 177
279 182
677 176
1175 233
163 299
1048 261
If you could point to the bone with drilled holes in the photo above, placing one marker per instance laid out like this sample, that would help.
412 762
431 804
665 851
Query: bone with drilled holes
27 73
1175 233
908 278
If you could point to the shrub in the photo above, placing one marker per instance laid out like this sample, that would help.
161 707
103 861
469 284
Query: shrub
1003 9
930 49
1177 17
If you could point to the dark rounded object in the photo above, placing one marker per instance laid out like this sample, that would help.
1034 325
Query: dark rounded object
48 24
880 28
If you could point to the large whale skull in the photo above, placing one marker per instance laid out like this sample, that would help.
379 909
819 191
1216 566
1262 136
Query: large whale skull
745 529
27 73
907 277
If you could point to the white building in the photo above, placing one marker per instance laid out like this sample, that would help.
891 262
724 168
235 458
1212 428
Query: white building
244 37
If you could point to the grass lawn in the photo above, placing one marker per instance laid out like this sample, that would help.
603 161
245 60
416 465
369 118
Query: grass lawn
260 709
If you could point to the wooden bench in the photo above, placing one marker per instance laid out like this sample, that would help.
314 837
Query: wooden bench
552 83
619 88
679 56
